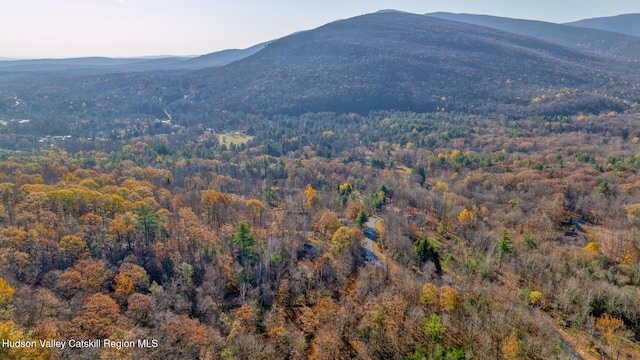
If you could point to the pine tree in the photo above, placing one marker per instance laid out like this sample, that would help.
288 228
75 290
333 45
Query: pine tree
361 219
244 240
505 246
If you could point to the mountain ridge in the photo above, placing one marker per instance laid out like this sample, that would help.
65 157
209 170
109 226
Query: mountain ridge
105 65
624 24
598 41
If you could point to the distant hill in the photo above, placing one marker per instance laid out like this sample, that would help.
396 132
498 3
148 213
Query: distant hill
595 40
221 58
394 60
91 65
104 65
625 24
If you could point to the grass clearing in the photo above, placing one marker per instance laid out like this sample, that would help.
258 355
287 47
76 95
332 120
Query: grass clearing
235 138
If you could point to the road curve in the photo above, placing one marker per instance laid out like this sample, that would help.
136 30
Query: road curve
369 239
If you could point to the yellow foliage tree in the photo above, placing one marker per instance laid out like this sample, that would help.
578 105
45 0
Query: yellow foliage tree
429 295
441 185
312 196
343 238
6 291
73 247
466 217
593 247
449 298
512 348
9 332
535 297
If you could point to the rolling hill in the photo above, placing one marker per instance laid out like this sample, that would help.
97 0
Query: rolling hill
625 24
103 65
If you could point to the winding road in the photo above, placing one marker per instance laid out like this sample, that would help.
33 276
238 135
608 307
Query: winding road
369 239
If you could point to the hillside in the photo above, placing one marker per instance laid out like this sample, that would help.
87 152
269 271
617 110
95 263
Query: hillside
625 24
594 40
382 61
407 62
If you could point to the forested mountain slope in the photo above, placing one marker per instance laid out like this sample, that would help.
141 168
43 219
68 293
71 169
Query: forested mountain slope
397 60
591 39
382 61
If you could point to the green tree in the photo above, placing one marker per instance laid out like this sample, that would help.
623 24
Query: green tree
505 246
187 272
603 188
361 219
425 250
528 239
434 329
244 240
148 221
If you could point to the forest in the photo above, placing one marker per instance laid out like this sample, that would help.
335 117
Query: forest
494 238
390 186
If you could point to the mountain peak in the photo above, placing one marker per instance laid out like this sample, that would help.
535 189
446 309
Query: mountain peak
401 61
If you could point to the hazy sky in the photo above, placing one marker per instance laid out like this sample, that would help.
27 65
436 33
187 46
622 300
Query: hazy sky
122 28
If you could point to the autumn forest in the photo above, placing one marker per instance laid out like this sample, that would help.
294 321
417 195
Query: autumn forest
456 202
231 251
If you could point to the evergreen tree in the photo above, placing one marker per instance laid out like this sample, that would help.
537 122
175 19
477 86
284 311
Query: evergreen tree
148 221
244 240
361 219
505 246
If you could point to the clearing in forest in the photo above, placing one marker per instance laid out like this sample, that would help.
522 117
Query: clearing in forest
235 138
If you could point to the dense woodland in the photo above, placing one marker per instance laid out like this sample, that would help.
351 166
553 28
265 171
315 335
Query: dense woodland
496 238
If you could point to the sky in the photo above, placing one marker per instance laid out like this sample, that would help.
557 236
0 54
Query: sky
129 28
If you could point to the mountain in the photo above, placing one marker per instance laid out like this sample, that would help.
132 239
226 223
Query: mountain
593 40
104 65
403 61
221 58
625 24
380 61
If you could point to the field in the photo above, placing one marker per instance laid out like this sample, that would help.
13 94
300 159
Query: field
235 138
